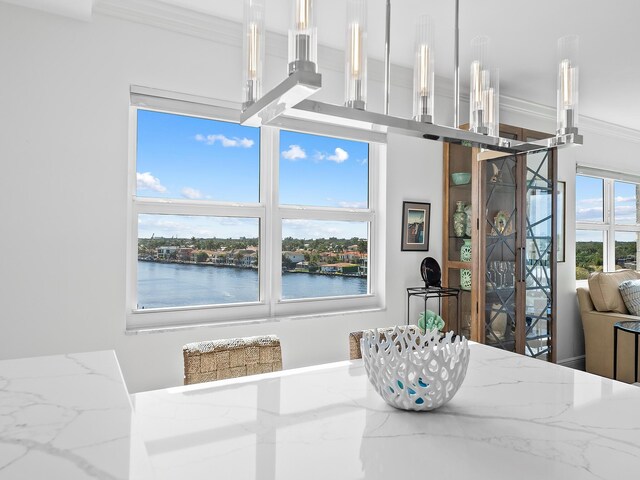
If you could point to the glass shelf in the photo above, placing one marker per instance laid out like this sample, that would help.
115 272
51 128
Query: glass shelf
464 186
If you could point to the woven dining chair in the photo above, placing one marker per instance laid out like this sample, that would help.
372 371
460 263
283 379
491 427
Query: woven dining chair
354 340
231 358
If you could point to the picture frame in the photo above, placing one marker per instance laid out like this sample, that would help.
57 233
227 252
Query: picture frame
561 205
416 219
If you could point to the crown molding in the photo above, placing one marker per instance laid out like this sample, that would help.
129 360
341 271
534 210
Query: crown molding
75 9
587 124
162 15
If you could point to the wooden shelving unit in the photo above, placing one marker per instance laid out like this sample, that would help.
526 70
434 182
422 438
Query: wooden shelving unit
512 200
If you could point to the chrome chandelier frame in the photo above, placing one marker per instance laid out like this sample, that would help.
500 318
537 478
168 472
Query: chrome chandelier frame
291 99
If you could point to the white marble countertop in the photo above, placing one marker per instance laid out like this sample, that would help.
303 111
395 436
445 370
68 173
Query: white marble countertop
68 417
513 417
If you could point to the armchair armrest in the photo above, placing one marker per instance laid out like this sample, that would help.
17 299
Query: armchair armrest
598 339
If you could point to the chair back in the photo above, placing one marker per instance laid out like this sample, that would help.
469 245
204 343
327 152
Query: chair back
231 358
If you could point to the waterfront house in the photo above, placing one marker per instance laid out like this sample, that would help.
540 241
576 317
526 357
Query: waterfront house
294 257
342 268
167 252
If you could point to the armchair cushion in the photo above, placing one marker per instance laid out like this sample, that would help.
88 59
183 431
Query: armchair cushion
603 287
630 291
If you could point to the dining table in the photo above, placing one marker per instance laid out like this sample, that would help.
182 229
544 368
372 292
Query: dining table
513 417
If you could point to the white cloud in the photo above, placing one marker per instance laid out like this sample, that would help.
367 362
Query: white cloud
191 193
225 141
179 226
625 199
590 201
294 153
589 214
339 156
313 229
146 181
343 204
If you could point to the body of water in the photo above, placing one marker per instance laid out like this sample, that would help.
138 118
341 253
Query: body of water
178 285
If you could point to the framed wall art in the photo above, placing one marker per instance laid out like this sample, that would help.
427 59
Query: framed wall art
416 217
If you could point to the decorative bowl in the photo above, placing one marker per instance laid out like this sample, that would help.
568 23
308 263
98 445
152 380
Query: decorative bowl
460 178
415 371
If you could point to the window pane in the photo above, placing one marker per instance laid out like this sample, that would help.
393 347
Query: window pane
626 207
589 199
323 171
196 158
589 248
626 250
324 258
197 260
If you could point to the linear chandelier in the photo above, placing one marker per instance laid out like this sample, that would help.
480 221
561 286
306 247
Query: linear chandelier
290 99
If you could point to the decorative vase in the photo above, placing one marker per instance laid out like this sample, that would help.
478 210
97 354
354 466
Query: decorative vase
465 250
465 256
465 279
459 220
467 210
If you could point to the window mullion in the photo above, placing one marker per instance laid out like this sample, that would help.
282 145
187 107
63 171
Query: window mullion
610 241
275 219
191 208
326 214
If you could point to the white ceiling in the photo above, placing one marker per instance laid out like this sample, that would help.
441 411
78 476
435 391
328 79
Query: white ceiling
523 37
523 40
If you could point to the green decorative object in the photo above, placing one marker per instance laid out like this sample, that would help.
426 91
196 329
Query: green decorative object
429 320
465 250
465 279
459 220
461 178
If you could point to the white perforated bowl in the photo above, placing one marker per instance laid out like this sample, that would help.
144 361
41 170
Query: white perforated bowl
414 371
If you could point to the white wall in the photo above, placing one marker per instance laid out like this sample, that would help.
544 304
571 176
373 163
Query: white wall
63 147
63 144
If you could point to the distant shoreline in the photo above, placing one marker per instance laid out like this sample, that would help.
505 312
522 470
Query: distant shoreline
246 267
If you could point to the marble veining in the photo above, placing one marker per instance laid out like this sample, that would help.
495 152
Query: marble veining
513 417
67 417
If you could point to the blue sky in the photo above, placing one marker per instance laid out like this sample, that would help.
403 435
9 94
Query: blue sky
323 171
195 158
183 157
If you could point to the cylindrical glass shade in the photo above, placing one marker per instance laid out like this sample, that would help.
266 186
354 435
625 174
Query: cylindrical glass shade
567 92
356 55
303 49
423 71
481 88
491 102
252 51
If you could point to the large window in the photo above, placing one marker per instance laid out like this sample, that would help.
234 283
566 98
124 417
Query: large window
607 221
230 222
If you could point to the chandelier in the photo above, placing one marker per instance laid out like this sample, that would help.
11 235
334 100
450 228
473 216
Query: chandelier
290 99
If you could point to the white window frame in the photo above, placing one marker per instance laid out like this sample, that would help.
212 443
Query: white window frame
270 305
607 225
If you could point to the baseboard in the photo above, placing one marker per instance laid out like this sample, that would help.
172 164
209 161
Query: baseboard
577 363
